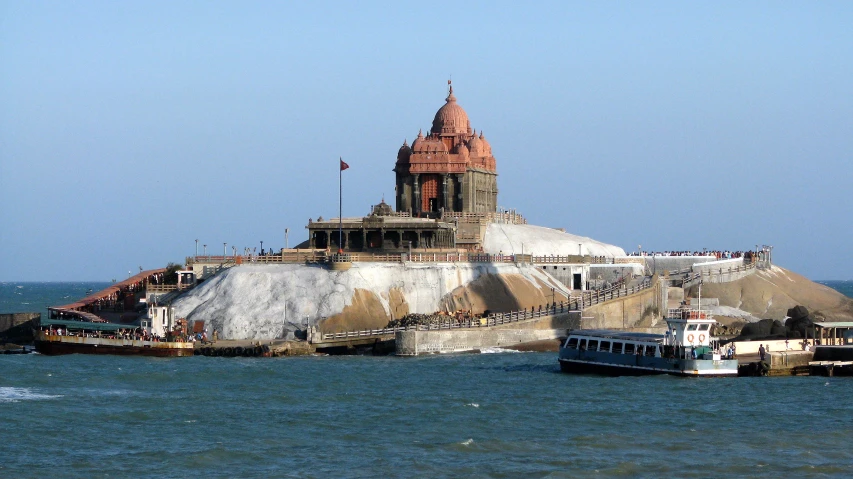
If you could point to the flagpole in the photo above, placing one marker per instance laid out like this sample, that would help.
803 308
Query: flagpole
340 206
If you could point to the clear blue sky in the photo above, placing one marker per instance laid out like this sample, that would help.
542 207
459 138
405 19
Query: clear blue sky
130 129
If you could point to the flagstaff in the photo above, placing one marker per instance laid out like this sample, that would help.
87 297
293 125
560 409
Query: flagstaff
341 205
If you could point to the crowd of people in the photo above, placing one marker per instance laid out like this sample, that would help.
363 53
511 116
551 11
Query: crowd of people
719 254
135 334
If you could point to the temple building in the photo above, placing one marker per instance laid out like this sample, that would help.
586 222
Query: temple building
447 195
451 169
382 230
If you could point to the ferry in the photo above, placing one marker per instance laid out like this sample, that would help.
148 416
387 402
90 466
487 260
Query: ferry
686 349
58 336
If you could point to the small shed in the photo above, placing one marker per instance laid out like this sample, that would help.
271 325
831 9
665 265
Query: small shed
834 333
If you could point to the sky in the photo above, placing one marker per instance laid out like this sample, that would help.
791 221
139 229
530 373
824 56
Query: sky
129 130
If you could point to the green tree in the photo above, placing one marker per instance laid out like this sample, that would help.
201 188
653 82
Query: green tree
171 274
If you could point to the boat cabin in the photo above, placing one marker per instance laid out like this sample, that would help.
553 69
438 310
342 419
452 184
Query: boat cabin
689 327
616 342
689 333
159 320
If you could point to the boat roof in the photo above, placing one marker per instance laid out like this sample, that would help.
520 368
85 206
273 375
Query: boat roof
69 324
834 324
618 335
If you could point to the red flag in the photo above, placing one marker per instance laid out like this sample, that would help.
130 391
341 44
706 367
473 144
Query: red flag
343 165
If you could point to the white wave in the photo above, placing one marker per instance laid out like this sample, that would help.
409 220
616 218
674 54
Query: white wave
497 351
8 394
467 442
473 404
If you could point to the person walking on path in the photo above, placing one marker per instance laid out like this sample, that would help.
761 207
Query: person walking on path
761 352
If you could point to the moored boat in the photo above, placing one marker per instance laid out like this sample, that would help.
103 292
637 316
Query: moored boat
687 349
58 336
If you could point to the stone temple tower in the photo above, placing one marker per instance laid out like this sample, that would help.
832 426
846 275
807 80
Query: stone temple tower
450 169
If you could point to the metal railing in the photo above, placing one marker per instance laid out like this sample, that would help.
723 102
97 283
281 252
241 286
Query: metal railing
691 278
575 304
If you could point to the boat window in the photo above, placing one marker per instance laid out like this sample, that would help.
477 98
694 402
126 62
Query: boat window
593 345
691 327
650 350
629 348
617 348
572 343
704 327
605 346
583 344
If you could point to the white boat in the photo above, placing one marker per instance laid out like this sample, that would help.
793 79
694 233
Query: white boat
687 349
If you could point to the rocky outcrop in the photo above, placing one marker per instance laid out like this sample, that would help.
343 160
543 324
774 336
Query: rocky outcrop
273 301
771 293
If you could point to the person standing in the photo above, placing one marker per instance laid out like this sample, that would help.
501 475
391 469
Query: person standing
761 352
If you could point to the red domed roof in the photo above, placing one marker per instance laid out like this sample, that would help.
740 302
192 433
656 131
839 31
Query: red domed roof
477 147
451 118
404 153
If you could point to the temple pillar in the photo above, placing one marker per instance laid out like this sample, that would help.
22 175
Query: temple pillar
460 178
445 201
416 194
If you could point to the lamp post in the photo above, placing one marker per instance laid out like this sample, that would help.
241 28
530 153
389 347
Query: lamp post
205 250
224 250
286 231
196 247
262 248
553 299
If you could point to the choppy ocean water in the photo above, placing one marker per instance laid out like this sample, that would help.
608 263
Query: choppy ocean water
487 415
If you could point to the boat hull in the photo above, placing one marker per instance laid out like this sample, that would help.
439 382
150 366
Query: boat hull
58 345
610 364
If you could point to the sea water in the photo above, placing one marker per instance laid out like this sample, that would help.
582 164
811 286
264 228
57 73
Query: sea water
475 415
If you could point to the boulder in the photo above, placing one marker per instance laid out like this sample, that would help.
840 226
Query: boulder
799 322
798 312
759 329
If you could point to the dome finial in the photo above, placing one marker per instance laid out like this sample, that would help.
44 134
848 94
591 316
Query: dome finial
450 96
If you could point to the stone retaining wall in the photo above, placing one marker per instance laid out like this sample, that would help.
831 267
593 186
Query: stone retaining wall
413 343
10 320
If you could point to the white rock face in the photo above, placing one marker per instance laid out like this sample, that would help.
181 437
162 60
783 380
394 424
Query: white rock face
538 240
269 301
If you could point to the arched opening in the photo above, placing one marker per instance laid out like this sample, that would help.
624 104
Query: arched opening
391 239
429 193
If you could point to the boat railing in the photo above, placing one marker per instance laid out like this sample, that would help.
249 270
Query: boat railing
688 313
